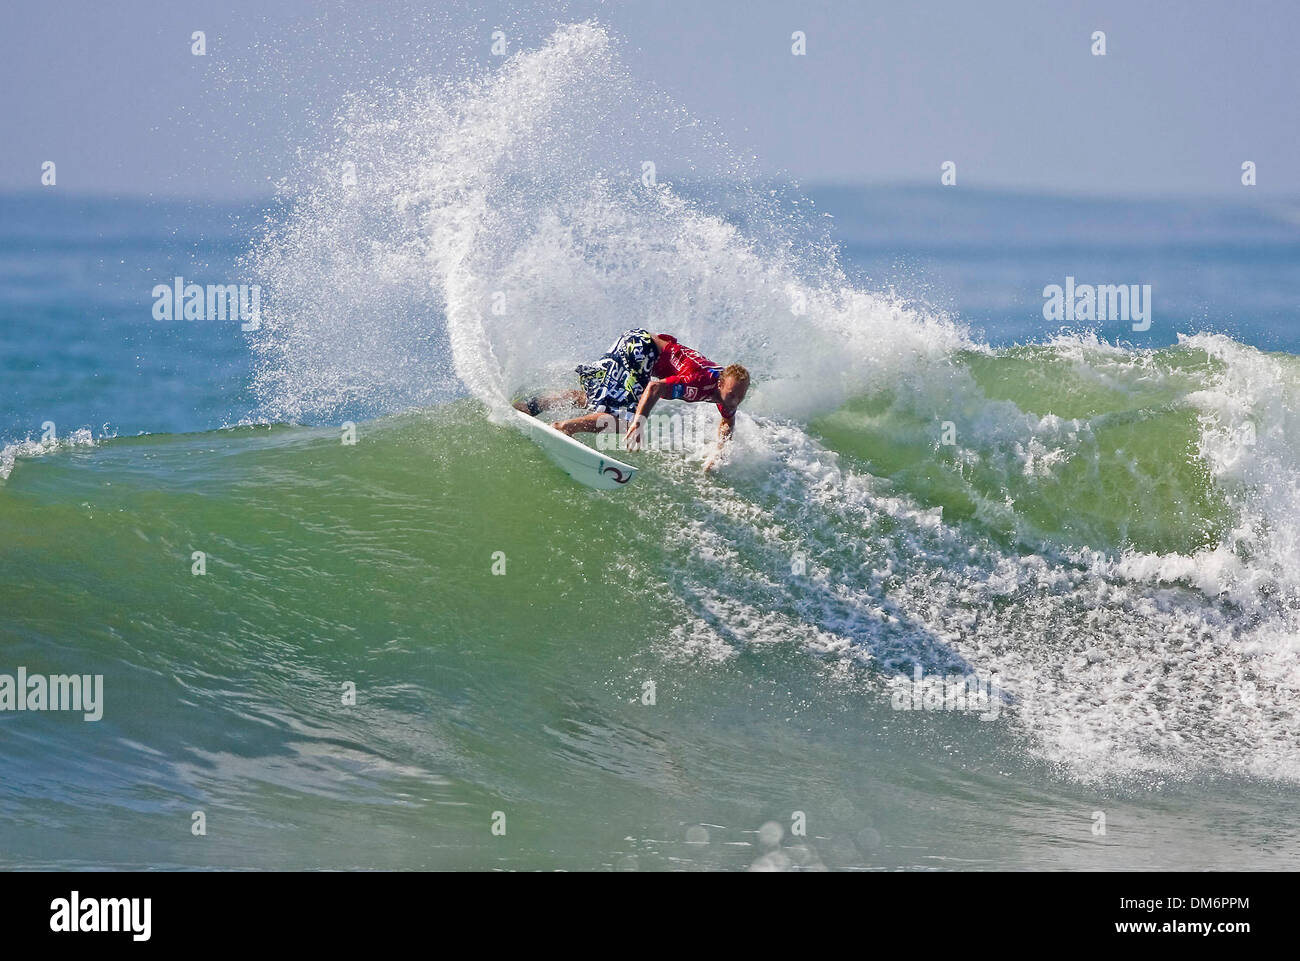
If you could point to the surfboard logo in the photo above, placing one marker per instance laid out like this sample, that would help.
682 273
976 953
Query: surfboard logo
618 474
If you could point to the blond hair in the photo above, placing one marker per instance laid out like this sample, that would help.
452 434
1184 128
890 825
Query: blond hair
736 373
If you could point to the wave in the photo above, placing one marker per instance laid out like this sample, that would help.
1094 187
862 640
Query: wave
1113 660
28 448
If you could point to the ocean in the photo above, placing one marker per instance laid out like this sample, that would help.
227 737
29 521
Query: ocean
347 617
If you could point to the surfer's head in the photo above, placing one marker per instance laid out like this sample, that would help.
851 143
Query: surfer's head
732 385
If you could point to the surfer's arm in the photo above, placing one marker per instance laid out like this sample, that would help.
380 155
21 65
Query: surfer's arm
653 391
725 427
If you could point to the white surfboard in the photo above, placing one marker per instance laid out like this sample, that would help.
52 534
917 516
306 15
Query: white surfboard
584 464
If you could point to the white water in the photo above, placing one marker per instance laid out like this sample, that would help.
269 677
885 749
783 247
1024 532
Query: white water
499 231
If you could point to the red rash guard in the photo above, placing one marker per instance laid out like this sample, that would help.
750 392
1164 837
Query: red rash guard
690 375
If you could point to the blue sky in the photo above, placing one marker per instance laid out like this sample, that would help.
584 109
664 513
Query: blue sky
886 92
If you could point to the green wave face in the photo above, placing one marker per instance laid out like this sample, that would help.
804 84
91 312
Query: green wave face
371 565
1052 449
393 534
500 623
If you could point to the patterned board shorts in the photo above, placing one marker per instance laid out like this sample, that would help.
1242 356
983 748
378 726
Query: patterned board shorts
615 382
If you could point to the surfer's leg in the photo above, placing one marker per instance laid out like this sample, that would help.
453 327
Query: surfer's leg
565 398
586 424
639 355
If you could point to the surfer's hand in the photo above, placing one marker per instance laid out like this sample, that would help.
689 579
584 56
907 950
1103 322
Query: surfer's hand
632 441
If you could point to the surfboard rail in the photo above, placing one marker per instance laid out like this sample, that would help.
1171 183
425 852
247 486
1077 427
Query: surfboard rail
588 466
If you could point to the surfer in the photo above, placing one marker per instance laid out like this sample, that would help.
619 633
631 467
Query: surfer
637 372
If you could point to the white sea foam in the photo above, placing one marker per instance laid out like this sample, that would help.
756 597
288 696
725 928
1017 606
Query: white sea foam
11 453
500 231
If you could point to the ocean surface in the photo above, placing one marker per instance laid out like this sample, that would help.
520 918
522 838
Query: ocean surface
429 649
